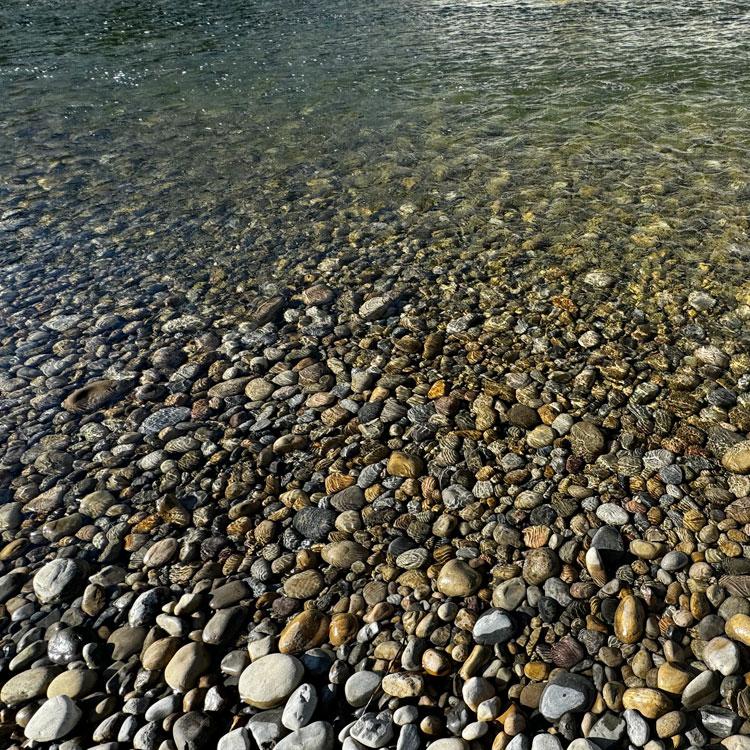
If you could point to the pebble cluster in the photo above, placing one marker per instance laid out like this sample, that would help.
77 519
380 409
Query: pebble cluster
407 512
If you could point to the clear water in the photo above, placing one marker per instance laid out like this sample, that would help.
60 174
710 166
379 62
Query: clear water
250 135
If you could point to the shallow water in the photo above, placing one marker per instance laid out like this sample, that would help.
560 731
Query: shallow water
581 134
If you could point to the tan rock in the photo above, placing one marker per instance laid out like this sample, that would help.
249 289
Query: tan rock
672 678
187 666
159 653
457 578
630 619
737 458
648 702
738 628
344 554
403 685
75 683
404 465
436 663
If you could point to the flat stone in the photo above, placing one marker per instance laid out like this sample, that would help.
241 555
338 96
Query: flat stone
648 702
403 685
701 690
269 681
372 730
228 594
737 742
191 730
315 736
223 625
637 728
53 720
670 724
266 728
738 628
719 721
166 417
494 626
163 707
546 742
672 678
75 683
61 578
566 693
610 727
126 641
360 686
736 458
27 685
237 739
409 738
300 707
449 743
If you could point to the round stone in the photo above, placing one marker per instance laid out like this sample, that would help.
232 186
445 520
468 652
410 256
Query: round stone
457 578
737 458
315 523
269 681
509 594
722 655
587 440
27 685
304 585
540 564
404 465
185 668
75 683
738 628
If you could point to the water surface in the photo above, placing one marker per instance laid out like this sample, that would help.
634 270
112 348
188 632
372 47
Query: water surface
583 134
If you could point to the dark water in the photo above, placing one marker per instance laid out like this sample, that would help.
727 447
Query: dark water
587 134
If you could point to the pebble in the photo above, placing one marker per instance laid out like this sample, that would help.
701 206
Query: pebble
494 626
186 666
372 730
456 578
403 685
566 693
27 685
315 736
55 718
360 687
58 579
721 655
268 682
300 707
